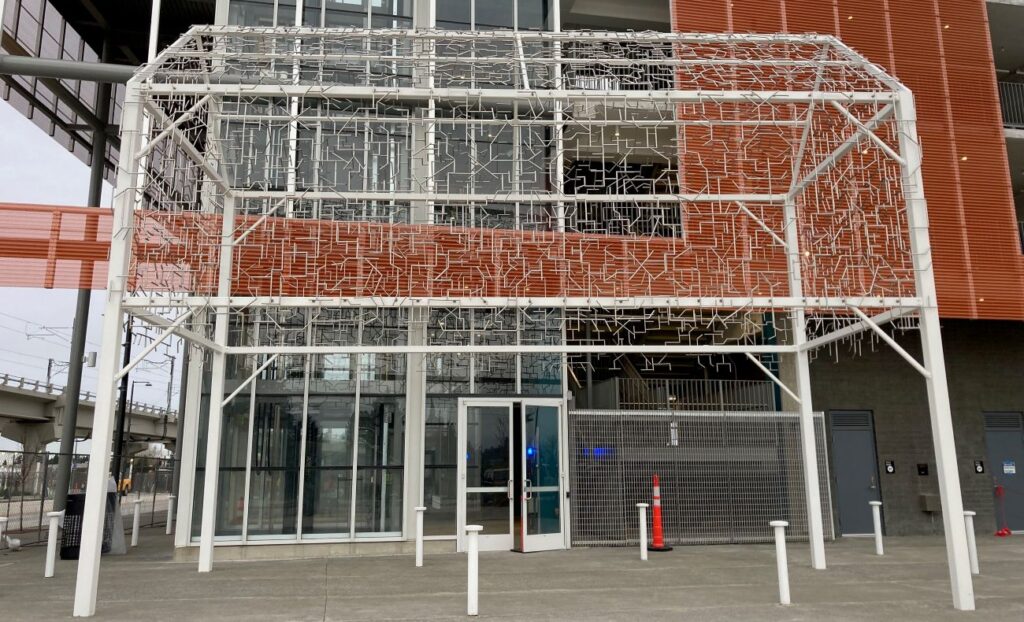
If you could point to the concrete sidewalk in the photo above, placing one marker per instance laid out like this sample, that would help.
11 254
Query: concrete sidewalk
698 583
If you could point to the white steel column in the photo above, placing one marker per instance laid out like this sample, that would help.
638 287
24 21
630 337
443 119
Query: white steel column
102 431
957 554
415 417
213 425
190 440
808 443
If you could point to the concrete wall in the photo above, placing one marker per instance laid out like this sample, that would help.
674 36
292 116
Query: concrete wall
985 365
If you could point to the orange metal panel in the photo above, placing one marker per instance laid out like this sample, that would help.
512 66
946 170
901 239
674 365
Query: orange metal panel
941 51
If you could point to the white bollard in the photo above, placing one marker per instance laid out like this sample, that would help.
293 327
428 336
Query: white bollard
472 578
780 559
3 523
170 514
876 518
419 535
135 522
972 543
642 507
51 542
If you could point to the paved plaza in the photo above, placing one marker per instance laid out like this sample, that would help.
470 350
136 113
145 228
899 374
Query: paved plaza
691 583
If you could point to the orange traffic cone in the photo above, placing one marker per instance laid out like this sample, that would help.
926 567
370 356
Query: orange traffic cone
658 543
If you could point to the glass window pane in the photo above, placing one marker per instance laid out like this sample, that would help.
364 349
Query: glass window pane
439 467
327 499
285 12
533 14
251 13
453 14
274 481
491 15
381 446
487 446
311 10
231 482
490 510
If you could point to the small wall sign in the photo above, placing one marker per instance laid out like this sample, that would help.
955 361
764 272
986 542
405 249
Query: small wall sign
890 467
922 468
979 466
1009 467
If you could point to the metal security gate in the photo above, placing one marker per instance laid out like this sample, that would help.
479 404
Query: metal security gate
724 475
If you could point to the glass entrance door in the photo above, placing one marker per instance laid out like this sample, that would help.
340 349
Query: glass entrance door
485 472
540 516
512 473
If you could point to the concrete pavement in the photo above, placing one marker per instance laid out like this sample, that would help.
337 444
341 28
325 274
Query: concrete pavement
699 583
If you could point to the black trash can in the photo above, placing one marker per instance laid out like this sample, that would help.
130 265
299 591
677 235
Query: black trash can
71 541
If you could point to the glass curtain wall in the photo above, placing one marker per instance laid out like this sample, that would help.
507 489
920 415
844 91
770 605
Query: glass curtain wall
494 14
315 447
319 446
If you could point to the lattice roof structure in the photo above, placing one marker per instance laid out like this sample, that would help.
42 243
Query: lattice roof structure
607 174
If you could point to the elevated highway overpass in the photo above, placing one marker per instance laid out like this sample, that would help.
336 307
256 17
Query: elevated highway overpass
32 412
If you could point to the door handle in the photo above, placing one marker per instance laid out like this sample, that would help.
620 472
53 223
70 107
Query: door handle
528 490
511 488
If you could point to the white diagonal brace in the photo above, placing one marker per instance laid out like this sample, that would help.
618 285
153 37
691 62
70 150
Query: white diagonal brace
152 346
188 114
190 150
181 331
262 219
252 377
522 61
773 377
892 342
867 132
754 217
840 151
848 331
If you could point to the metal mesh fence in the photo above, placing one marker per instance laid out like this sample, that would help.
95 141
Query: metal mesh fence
27 483
724 475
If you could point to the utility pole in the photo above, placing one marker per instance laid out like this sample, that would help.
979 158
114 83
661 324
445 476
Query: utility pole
77 357
170 383
122 398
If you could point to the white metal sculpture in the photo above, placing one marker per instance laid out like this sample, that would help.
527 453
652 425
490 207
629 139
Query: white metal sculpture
564 194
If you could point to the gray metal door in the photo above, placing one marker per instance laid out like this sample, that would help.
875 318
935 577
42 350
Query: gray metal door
1004 438
854 469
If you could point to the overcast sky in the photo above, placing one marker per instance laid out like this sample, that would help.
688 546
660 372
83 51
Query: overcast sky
35 324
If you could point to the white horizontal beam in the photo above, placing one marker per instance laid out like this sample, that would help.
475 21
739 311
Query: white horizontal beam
510 197
597 303
527 35
513 349
389 94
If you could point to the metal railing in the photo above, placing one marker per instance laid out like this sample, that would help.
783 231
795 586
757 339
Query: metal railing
1011 100
27 483
686 394
38 386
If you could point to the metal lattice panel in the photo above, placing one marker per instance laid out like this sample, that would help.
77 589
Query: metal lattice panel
724 475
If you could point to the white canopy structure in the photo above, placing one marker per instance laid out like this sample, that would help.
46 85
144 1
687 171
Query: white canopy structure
383 183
